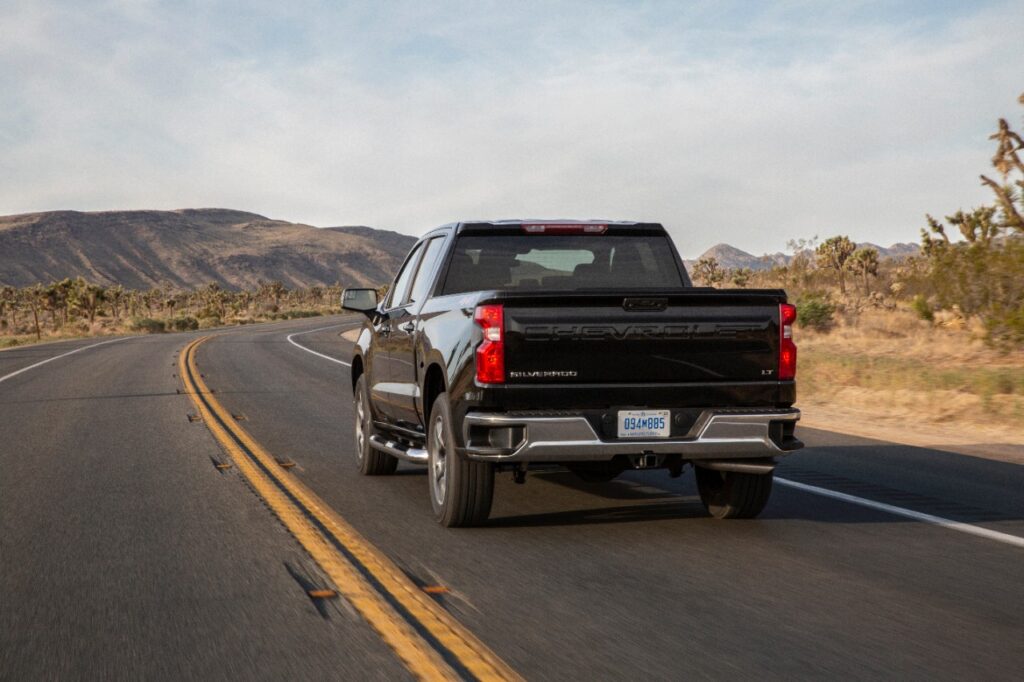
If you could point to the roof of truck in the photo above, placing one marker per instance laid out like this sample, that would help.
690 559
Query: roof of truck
485 226
547 221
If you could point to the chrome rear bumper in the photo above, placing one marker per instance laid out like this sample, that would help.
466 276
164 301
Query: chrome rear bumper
716 435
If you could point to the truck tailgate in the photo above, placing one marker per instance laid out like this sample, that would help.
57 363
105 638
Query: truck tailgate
700 336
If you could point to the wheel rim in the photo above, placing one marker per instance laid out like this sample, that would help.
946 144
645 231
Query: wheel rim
360 430
438 462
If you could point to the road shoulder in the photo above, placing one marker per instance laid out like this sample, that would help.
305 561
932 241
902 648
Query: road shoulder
995 444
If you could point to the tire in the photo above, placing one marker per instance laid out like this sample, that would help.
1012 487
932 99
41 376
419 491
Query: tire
731 494
461 490
371 462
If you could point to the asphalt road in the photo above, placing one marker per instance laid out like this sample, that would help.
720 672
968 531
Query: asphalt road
126 554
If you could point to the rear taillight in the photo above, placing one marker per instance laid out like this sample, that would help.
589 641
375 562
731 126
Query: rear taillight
787 349
490 354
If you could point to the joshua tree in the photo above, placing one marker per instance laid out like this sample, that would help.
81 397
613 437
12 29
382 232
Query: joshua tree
981 275
243 300
115 295
8 304
33 297
1009 195
131 299
797 273
152 298
170 302
708 271
88 298
979 227
277 290
864 262
56 300
833 253
740 276
334 293
214 298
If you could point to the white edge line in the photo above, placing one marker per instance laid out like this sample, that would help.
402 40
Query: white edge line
908 513
62 355
308 350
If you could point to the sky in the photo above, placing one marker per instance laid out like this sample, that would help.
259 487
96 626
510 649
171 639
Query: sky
751 123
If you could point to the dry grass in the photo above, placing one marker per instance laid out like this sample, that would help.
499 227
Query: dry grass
894 368
80 330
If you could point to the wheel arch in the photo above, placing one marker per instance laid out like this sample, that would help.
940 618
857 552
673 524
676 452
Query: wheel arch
357 369
434 384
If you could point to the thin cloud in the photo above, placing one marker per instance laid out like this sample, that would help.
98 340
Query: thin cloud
723 124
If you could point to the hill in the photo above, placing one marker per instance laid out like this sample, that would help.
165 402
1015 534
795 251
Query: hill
900 250
731 258
189 248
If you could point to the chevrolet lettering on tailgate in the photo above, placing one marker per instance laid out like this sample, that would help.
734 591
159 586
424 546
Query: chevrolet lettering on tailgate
631 332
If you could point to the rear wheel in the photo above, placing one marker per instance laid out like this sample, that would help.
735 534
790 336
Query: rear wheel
371 462
461 490
731 494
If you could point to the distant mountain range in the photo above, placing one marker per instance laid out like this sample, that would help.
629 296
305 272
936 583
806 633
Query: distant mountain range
731 258
189 248
192 247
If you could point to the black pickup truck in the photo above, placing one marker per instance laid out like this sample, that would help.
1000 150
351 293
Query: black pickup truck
506 344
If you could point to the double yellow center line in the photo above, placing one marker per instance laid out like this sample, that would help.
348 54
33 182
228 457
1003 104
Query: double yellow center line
425 637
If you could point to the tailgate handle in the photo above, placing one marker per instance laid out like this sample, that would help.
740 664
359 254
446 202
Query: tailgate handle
646 303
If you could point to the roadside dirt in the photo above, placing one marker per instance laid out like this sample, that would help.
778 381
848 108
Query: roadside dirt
1004 444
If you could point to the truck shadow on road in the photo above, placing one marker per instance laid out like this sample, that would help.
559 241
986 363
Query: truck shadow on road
663 498
649 503
675 509
618 489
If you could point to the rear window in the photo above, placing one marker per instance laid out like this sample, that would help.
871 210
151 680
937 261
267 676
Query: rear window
561 263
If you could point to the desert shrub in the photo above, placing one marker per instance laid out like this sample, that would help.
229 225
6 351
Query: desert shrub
983 275
983 278
1006 327
922 308
184 324
208 322
815 312
208 311
147 325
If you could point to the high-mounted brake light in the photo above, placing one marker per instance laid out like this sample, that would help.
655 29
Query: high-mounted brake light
787 348
564 228
490 354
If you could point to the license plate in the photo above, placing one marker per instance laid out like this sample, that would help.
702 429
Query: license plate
644 423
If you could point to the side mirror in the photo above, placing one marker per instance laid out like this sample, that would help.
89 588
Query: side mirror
359 300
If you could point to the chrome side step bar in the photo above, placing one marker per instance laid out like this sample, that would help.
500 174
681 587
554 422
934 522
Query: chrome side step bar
738 465
396 449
